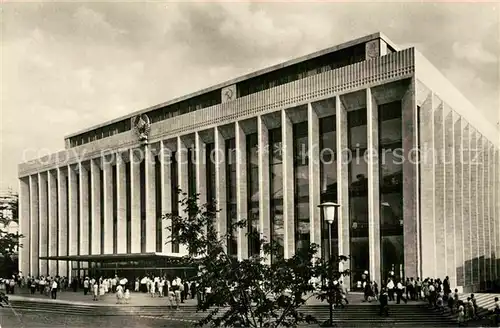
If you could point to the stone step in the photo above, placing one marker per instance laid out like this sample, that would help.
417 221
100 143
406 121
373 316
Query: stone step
352 313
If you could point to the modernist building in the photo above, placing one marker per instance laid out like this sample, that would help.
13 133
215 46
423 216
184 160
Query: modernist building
373 127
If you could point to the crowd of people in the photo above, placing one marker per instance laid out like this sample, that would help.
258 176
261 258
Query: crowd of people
436 292
173 288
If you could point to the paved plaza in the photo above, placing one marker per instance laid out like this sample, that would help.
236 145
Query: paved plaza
136 299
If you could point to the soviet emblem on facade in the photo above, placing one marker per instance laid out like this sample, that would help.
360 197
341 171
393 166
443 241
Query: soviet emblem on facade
141 125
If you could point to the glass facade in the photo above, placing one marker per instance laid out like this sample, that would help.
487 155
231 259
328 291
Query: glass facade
328 182
276 189
174 186
391 189
302 70
56 181
89 209
101 193
142 203
191 167
78 230
158 198
68 205
210 173
210 176
301 185
252 145
358 193
115 208
128 204
231 218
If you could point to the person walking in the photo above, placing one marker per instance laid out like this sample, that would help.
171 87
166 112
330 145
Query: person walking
400 290
390 289
95 291
86 286
53 291
384 302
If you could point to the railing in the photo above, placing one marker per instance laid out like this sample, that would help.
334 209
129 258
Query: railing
394 66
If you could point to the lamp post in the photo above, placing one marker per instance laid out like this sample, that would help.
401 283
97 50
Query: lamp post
330 213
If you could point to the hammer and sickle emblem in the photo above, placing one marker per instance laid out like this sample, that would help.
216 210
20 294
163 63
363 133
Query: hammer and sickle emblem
229 94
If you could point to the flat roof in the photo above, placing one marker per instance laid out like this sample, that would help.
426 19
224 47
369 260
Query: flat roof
291 62
111 257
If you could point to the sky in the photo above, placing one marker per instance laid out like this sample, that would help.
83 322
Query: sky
70 65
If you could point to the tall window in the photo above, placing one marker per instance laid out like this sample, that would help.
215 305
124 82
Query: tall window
89 209
128 197
101 193
328 174
56 181
142 188
210 173
68 205
191 154
253 194
158 201
358 193
232 243
276 188
301 185
174 185
78 218
391 189
114 187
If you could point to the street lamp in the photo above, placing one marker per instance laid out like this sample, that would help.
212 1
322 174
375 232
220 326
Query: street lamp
330 213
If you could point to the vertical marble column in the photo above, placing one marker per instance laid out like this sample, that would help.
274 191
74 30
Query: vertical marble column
411 219
150 200
52 209
135 181
24 225
264 193
84 210
288 185
497 197
73 215
473 207
95 203
493 221
34 232
458 178
241 189
182 171
449 195
314 176
480 211
496 201
486 214
373 187
63 221
466 200
166 195
220 182
121 205
43 221
427 188
341 131
439 183
108 205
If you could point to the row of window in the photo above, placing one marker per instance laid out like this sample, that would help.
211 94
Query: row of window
259 83
390 126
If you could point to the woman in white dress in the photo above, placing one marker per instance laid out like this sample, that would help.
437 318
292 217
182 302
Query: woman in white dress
119 294
152 288
101 290
161 283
